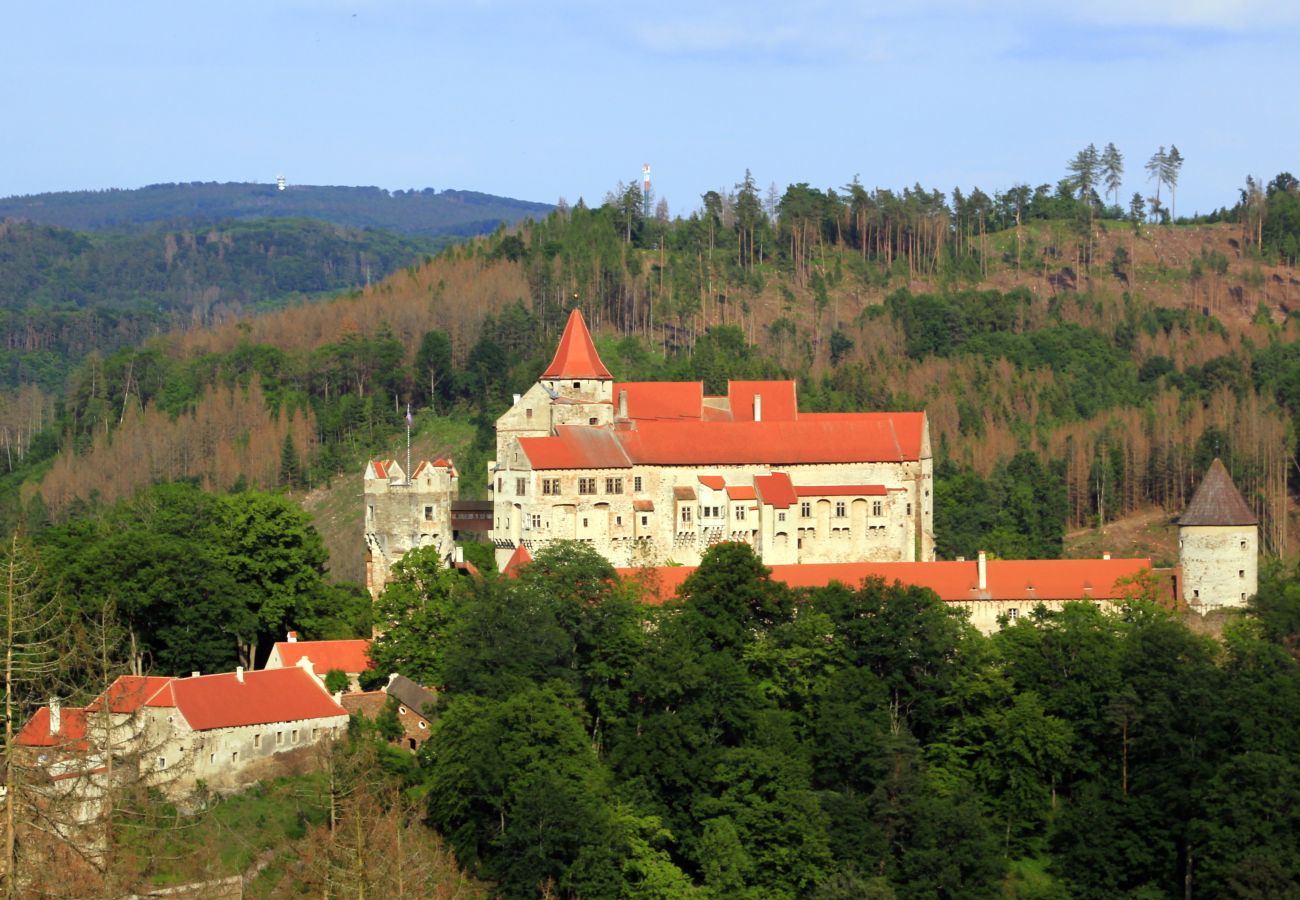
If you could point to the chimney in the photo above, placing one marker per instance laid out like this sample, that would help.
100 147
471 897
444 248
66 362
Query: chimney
1106 555
392 676
194 674
305 663
982 566
292 637
239 674
338 697
56 715
622 404
516 398
460 555
758 407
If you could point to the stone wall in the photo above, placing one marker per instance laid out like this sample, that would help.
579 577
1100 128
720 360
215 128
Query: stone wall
1220 565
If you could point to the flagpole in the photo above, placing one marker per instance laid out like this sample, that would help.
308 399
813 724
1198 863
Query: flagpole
408 443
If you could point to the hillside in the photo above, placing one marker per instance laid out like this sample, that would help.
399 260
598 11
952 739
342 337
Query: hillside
66 293
1122 357
424 212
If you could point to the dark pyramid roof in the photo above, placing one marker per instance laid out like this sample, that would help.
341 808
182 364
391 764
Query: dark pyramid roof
1217 501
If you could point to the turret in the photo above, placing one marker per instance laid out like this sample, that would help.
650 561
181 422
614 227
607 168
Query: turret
1218 544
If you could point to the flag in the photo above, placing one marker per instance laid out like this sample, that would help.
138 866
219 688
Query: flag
409 420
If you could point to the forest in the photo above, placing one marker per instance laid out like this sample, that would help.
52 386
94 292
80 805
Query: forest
416 212
1079 361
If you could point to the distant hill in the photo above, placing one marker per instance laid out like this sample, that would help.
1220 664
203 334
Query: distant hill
64 293
424 212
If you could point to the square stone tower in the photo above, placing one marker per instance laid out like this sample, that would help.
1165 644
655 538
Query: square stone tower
1218 544
405 513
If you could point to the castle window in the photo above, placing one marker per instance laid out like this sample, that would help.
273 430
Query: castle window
1243 545
841 509
162 762
537 520
295 735
586 485
521 486
686 515
584 521
613 485
370 512
780 517
234 756
591 421
1241 573
645 520
1196 595
315 734
577 385
636 486
618 520
501 484
805 510
428 514
528 413
550 486
740 513
257 742
909 509
1013 613
279 738
875 507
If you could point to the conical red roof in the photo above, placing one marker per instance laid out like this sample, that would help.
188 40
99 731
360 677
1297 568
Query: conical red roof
576 356
1217 501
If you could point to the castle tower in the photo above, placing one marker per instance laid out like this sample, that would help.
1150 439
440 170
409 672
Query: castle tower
1218 544
405 513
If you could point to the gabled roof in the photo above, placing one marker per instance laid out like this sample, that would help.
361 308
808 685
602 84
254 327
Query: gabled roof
520 557
779 401
1217 501
128 693
72 729
413 696
776 490
812 438
351 656
576 356
263 697
713 482
662 399
1026 580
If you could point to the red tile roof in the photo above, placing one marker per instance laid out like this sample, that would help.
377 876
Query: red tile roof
714 482
264 696
643 505
350 656
1027 580
380 467
775 490
129 693
520 557
841 490
780 403
662 399
740 492
813 438
72 729
576 356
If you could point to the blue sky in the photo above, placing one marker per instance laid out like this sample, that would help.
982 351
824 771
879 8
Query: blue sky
565 99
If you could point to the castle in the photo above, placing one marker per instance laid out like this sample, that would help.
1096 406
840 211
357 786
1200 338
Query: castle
651 473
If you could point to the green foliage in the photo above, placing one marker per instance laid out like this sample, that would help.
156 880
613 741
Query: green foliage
1017 513
249 567
337 680
415 615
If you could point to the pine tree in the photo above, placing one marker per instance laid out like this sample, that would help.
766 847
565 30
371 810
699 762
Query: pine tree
1156 167
1112 171
290 466
1171 165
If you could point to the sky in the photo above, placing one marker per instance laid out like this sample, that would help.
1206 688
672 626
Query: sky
568 98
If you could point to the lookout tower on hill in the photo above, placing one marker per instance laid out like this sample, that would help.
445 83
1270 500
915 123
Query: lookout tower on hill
1218 544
